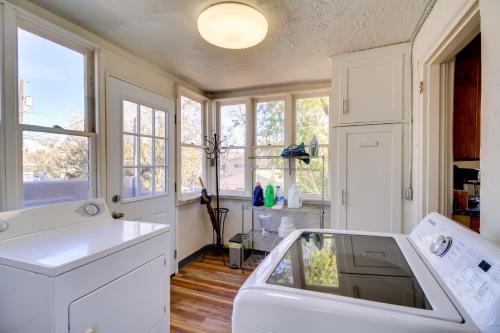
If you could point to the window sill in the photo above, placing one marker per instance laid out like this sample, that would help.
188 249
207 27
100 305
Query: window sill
248 198
188 200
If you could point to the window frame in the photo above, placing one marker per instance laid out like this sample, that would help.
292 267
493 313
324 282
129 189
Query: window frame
290 131
305 95
14 20
185 92
287 134
248 141
139 135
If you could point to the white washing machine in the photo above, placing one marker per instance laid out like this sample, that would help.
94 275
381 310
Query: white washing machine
72 268
440 278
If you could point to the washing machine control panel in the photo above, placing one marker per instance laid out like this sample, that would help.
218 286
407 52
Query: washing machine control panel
440 245
465 262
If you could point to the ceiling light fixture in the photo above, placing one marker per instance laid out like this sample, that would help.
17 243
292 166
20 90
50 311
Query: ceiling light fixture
232 25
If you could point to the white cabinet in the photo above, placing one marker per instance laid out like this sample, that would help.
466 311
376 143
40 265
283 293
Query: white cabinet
371 86
132 303
367 177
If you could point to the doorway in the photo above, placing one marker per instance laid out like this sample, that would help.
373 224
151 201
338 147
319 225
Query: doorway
467 135
140 156
435 107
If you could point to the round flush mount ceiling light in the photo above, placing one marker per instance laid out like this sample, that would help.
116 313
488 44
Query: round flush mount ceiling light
232 25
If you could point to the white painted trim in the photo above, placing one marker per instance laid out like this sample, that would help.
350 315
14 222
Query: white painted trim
12 147
273 90
216 105
433 105
3 156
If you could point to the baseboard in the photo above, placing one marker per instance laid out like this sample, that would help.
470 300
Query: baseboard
194 255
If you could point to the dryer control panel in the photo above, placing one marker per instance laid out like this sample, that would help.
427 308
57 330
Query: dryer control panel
466 263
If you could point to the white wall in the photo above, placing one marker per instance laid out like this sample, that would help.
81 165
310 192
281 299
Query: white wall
437 24
490 120
192 224
194 229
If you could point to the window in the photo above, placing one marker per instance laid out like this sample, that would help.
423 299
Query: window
54 115
233 120
270 141
275 125
145 142
312 118
191 146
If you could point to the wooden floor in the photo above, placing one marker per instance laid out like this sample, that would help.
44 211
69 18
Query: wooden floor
202 296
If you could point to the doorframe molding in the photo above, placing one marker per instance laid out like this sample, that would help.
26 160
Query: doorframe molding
436 104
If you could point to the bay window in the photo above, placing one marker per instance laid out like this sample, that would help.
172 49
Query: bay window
276 124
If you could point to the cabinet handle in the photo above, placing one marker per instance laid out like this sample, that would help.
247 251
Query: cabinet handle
344 197
345 106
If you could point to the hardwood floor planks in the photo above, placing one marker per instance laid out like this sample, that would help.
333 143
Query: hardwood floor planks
202 295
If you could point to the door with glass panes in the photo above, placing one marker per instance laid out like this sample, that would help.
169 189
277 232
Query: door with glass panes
140 155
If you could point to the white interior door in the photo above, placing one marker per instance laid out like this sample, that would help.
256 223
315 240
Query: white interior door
370 177
140 155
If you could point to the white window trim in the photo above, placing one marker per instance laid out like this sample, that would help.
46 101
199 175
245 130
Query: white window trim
205 120
153 137
290 99
14 17
248 141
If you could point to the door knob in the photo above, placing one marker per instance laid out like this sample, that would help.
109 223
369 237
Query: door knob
117 215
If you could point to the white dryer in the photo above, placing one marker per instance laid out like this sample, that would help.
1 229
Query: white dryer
440 278
72 268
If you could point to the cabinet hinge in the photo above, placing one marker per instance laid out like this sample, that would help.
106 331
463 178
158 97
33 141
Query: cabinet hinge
164 309
164 262
421 87
345 105
175 254
344 197
175 187
175 119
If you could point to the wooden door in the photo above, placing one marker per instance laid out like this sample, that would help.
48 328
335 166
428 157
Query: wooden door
467 103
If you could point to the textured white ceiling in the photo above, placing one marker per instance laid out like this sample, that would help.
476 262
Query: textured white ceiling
302 35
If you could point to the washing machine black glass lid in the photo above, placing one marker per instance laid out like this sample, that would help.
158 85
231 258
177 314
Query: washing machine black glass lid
364 267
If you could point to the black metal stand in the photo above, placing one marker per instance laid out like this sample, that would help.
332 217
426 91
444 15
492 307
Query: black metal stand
213 151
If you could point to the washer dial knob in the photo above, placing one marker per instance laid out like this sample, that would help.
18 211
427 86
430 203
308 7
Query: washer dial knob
440 245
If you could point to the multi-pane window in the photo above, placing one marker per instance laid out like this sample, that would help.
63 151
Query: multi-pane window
312 119
145 142
233 120
275 128
270 141
55 117
191 145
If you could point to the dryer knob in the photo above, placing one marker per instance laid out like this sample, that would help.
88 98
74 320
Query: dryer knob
440 245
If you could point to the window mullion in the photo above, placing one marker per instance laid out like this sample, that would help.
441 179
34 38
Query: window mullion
138 149
153 152
289 177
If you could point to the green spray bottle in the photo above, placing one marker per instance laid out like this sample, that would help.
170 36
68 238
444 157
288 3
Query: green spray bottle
270 200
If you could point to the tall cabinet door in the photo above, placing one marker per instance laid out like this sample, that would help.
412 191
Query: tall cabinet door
369 163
